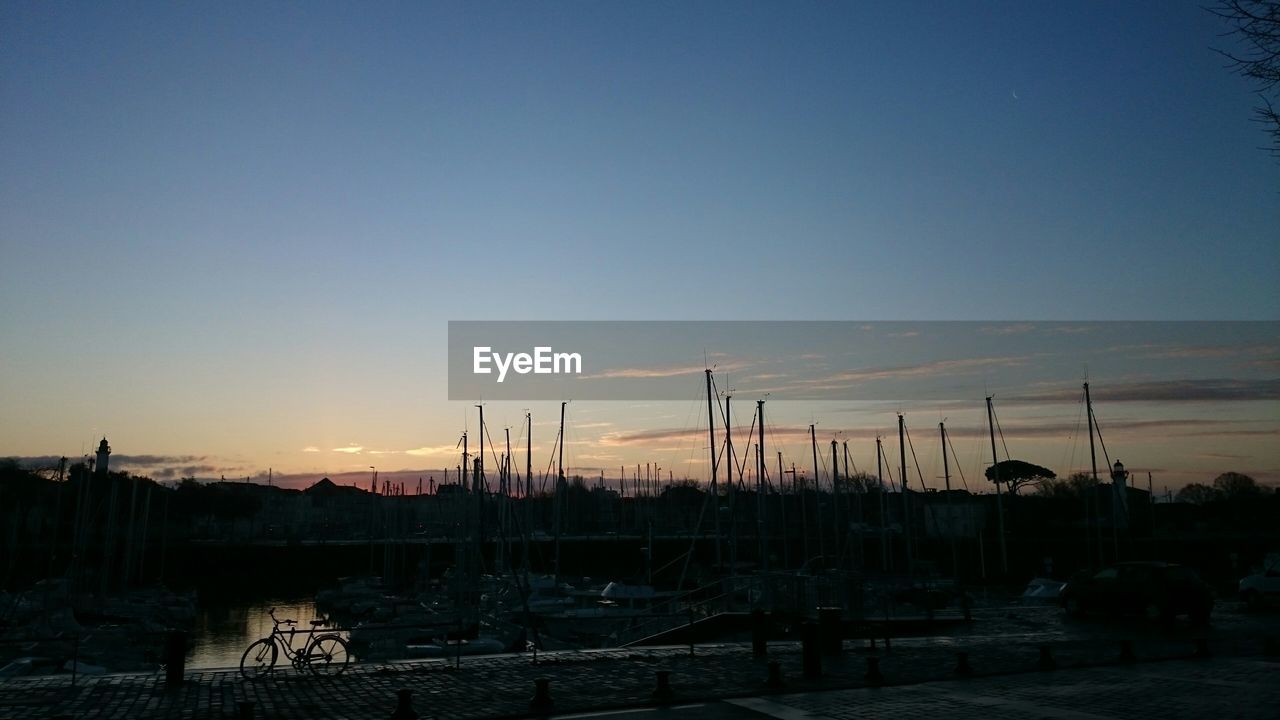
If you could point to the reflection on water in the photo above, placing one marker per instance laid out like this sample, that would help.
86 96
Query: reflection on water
224 628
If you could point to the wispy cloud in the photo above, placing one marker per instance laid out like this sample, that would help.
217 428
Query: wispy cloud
149 460
1247 433
1266 364
666 435
1012 329
1166 351
350 449
1190 390
437 450
631 373
157 467
311 449
168 467
764 376
661 371
931 369
1179 427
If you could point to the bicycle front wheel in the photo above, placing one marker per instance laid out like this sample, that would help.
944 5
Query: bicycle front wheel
259 659
328 655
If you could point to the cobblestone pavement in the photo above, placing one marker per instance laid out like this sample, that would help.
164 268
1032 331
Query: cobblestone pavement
1225 688
1091 680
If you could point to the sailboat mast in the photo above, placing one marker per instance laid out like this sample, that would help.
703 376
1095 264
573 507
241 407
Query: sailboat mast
715 492
857 499
835 501
760 521
995 462
884 554
733 495
557 497
505 499
478 481
480 457
506 486
946 477
782 516
817 495
1093 461
528 488
902 485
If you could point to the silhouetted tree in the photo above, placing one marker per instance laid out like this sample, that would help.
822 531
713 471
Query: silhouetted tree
1257 24
1072 487
861 482
1233 485
1082 482
1197 494
1055 488
1018 474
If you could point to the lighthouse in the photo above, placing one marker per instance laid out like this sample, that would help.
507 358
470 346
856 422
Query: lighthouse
104 454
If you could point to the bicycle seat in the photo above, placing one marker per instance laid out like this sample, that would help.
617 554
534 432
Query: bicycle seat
318 623
288 622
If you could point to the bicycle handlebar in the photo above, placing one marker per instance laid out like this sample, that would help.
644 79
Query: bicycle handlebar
272 613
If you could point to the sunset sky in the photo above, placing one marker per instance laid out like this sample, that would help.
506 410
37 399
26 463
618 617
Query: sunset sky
232 235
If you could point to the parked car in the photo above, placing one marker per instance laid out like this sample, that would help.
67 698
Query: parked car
1262 588
1155 590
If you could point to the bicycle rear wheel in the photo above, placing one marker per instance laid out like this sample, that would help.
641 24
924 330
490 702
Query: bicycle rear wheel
259 659
328 655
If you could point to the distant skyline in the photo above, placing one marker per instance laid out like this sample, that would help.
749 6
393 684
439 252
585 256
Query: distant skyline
231 233
1182 401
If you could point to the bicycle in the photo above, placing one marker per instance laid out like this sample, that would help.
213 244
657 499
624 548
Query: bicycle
323 655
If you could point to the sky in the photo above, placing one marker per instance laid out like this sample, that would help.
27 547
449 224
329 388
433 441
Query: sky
233 233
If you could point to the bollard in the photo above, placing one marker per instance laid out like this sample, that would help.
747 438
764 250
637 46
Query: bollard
962 664
663 694
811 650
759 634
1126 652
1202 648
873 675
832 638
541 700
175 657
872 647
404 710
1046 658
966 604
887 645
775 675
244 710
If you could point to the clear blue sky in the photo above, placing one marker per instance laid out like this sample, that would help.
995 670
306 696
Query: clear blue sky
262 215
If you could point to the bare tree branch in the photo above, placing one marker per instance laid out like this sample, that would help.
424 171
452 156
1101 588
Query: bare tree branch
1256 25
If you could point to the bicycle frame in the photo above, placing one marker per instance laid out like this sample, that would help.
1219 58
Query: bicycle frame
322 648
